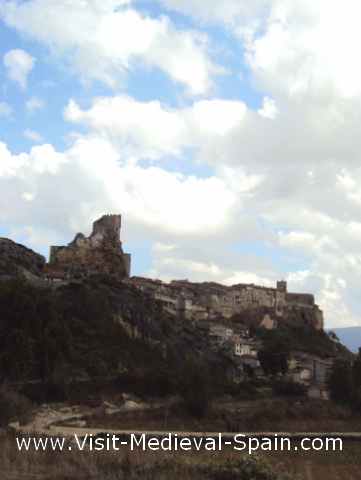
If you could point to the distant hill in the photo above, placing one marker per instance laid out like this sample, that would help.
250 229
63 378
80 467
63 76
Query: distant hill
350 337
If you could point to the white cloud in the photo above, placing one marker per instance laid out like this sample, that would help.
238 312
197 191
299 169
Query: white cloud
104 40
34 103
18 64
27 196
269 108
291 45
184 260
5 109
151 130
95 182
33 136
295 52
231 12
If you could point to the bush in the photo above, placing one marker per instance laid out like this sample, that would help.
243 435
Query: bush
341 382
289 388
195 388
13 406
247 390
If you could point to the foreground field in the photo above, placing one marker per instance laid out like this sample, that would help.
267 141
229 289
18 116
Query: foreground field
345 465
138 465
227 414
274 414
126 465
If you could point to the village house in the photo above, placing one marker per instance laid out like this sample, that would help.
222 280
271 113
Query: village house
220 334
312 372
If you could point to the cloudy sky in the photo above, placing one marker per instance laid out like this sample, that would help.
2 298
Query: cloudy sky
227 134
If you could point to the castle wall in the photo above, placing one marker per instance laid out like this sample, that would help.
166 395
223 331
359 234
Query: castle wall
303 299
241 298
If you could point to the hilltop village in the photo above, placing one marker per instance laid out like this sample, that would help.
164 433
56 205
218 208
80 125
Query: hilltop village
102 252
226 315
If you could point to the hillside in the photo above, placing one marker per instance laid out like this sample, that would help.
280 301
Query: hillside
90 330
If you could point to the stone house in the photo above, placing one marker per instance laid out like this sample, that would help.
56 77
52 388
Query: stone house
220 334
309 369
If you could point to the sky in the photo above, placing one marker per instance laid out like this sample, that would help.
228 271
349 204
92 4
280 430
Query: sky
226 134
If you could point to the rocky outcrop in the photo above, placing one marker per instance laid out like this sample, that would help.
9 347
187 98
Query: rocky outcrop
15 260
100 253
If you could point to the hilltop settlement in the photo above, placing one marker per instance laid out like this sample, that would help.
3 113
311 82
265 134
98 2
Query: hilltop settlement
242 325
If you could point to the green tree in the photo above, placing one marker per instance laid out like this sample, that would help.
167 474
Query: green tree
275 353
341 382
194 385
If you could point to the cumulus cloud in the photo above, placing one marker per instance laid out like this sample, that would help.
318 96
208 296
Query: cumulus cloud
298 53
231 12
152 130
104 40
269 108
90 178
18 64
186 259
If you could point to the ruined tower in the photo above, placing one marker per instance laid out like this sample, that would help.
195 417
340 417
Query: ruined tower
101 252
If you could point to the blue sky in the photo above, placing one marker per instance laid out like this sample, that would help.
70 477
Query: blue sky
225 134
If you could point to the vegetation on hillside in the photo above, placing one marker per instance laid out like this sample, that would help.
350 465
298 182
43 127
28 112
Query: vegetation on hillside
73 332
287 338
345 382
98 330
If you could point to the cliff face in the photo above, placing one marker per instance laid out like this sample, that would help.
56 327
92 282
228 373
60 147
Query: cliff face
101 252
15 260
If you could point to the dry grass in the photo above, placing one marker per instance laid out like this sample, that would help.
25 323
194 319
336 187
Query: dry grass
226 465
129 465
238 416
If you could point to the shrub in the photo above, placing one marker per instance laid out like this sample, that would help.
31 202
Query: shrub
195 388
340 382
289 388
247 390
13 406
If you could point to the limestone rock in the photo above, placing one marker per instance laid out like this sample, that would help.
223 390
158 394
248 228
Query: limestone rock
15 260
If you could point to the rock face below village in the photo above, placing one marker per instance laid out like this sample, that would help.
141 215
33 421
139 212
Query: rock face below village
15 260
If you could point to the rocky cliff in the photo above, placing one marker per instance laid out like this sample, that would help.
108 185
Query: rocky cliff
15 260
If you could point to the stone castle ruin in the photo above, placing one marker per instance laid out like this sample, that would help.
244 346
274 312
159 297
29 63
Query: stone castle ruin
100 253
